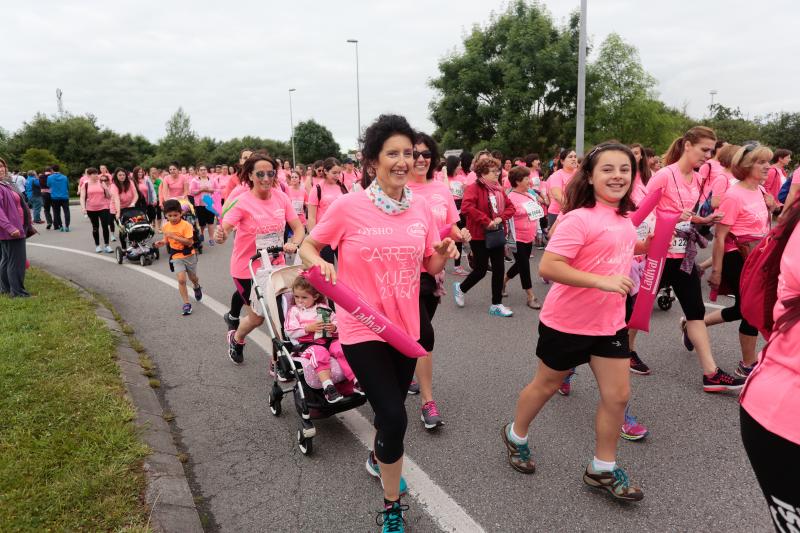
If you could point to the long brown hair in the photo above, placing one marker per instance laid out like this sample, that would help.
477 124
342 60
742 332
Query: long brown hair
693 136
250 165
580 193
642 167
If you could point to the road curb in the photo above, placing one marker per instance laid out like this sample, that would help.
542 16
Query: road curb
168 496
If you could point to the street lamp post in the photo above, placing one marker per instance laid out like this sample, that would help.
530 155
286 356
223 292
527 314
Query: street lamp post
358 88
291 121
581 111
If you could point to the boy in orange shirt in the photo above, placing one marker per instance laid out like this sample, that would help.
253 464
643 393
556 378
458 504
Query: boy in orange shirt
178 236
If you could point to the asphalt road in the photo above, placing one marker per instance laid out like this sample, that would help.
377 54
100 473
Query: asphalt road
248 474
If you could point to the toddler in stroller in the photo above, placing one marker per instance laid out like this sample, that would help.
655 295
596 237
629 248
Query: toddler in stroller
311 326
135 235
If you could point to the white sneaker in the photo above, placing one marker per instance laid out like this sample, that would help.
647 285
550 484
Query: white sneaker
458 296
113 238
500 310
98 249
108 250
459 271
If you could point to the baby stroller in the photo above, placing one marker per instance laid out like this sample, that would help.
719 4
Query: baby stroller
189 215
665 298
273 292
135 236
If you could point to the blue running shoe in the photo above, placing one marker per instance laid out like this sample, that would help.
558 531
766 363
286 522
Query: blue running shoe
391 518
374 470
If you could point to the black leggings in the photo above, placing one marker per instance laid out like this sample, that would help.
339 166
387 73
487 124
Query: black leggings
522 265
732 264
98 218
241 296
482 258
58 207
687 288
776 462
384 374
428 303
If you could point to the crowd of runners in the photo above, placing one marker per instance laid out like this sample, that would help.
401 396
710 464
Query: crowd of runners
388 223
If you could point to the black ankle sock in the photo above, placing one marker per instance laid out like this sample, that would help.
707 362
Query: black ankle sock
387 504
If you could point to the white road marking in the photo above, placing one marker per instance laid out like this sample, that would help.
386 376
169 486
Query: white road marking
715 306
444 510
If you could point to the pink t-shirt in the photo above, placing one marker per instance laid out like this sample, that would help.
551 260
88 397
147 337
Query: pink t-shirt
440 201
774 181
257 220
457 185
770 395
745 212
142 188
196 184
324 197
380 258
125 197
560 179
349 178
95 197
173 188
470 178
721 184
298 198
638 189
595 240
796 177
678 195
526 207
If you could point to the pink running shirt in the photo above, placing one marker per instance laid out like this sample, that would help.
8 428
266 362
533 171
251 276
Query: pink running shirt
95 197
745 212
324 197
597 240
526 207
560 179
380 258
677 196
298 198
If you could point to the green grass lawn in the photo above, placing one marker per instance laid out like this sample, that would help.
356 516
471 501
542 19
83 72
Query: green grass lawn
70 459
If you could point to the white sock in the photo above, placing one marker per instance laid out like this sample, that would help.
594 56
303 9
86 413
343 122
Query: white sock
326 383
603 466
516 439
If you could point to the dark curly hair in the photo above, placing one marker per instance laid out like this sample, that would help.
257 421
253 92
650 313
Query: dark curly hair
580 193
483 166
517 174
430 142
379 131
250 165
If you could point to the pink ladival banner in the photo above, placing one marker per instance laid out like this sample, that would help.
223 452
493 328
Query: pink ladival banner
653 268
347 299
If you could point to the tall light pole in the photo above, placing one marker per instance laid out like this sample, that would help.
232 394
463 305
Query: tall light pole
713 93
581 83
291 121
358 88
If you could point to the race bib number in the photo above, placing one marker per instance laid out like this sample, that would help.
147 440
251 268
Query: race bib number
269 240
678 244
457 188
643 231
298 206
493 201
534 210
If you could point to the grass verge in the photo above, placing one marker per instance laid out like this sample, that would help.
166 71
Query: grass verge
70 458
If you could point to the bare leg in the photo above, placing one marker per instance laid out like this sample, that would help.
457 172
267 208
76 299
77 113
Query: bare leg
748 344
713 318
545 383
698 334
424 374
390 475
632 339
247 324
613 380
182 287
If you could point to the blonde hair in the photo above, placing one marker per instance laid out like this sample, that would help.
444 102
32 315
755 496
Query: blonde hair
745 159
725 155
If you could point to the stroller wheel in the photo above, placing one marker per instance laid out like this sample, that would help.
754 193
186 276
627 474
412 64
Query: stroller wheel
119 255
306 445
143 260
665 303
156 253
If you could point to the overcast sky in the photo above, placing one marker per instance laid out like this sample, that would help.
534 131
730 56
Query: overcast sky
230 63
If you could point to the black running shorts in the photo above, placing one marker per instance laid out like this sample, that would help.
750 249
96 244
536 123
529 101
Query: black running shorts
562 351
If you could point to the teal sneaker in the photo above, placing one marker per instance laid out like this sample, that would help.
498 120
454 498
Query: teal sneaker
616 482
374 470
519 455
391 518
500 310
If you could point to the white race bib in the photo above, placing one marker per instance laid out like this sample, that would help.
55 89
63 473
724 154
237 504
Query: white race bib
269 240
297 204
678 244
643 231
493 201
534 210
457 188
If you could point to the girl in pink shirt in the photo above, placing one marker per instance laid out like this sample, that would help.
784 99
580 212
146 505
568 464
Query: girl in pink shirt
259 218
298 196
724 177
777 172
123 196
745 222
386 237
680 185
323 194
526 221
234 180
770 403
173 186
583 318
456 182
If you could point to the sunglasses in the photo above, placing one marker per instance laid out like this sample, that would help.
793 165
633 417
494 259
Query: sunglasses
261 174
426 154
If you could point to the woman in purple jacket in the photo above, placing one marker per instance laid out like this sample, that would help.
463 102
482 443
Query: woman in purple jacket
15 222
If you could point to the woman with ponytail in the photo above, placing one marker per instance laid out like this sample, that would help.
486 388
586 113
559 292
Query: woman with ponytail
681 186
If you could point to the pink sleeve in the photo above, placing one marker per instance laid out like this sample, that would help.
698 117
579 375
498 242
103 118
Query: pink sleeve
731 206
719 186
194 187
452 210
294 329
233 217
659 181
570 237
332 229
314 195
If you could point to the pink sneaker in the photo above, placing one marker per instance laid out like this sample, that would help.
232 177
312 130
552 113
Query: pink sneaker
632 429
566 385
459 271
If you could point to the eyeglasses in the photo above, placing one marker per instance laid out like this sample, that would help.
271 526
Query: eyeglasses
426 154
261 174
320 169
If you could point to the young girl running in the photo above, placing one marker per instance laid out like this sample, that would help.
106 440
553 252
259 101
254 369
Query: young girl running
583 318
200 186
311 322
745 223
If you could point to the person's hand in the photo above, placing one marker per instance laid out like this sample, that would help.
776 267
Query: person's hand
447 248
616 283
314 327
220 235
687 214
327 270
16 233
290 247
714 279
330 327
715 217
466 236
84 211
159 244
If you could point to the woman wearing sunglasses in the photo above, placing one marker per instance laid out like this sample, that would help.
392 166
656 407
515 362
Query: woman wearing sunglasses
431 288
259 217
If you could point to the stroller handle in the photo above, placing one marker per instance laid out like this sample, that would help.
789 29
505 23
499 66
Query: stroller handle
273 250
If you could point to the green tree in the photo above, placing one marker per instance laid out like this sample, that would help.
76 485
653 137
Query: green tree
314 141
40 158
729 124
180 144
782 130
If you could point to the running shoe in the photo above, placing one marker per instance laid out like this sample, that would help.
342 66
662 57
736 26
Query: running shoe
519 455
66 229
211 242
743 370
686 340
615 482
374 470
458 296
638 366
98 249
545 281
566 385
357 389
108 250
459 271
722 381
187 309
281 374
430 415
632 429
235 349
500 310
198 293
113 237
391 518
413 389
232 323
331 394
